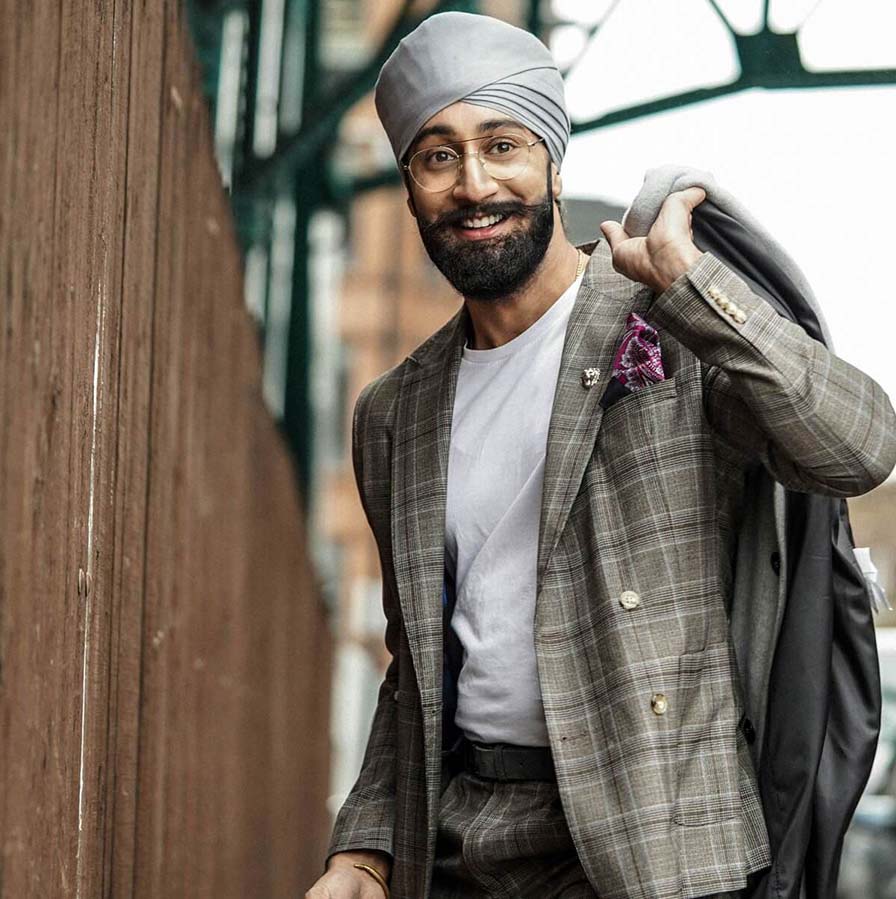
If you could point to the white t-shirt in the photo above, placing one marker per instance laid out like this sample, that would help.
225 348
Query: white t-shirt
499 429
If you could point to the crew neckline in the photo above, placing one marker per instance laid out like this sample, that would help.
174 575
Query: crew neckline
538 329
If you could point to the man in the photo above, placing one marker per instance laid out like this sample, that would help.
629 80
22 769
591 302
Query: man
553 480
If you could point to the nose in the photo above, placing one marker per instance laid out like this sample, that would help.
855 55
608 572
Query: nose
474 184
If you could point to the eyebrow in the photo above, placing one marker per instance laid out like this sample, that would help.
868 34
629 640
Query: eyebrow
447 131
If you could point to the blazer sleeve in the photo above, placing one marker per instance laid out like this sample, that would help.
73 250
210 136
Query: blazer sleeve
775 394
367 817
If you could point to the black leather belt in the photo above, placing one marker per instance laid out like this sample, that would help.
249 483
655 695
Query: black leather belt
503 761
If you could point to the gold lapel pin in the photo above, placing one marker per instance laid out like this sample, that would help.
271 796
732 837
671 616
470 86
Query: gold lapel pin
589 377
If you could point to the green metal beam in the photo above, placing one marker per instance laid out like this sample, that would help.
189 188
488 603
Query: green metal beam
770 82
307 183
311 78
245 153
298 411
345 189
216 7
533 18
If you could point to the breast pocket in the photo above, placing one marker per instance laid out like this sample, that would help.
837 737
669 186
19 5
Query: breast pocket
632 420
636 401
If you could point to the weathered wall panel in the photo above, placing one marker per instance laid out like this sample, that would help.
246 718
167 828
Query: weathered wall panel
164 660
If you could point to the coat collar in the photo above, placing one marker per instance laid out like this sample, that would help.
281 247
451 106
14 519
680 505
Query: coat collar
423 435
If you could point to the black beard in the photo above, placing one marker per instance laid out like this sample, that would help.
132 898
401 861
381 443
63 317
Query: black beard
491 269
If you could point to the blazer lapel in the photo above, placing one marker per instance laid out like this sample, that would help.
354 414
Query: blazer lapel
419 489
596 326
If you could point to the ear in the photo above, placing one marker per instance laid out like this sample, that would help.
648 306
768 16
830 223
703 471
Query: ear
409 198
556 181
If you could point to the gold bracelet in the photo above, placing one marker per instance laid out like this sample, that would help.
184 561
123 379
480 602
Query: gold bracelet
376 876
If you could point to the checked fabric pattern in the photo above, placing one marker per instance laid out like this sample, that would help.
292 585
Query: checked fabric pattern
505 839
639 497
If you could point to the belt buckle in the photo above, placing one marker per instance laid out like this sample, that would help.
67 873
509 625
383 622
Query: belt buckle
486 761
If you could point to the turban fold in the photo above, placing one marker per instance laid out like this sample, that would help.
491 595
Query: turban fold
456 56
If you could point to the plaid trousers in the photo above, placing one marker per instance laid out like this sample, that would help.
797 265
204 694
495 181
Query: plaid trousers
507 840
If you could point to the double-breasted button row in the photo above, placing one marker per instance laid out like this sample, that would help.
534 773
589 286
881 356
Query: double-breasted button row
729 307
630 600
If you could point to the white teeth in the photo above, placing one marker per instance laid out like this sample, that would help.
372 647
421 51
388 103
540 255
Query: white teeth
484 222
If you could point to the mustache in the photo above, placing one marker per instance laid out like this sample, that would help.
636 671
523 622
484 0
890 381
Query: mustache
456 216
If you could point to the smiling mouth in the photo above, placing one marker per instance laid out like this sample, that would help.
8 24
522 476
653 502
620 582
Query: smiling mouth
481 221
481 227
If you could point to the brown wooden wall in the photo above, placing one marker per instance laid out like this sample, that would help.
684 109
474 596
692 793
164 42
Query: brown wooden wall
164 659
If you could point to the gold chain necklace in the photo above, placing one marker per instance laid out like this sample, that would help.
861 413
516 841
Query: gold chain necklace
583 261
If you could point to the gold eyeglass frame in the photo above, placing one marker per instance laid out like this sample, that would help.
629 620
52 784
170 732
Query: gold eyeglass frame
462 156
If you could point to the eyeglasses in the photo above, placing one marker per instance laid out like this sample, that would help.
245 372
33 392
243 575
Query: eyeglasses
502 156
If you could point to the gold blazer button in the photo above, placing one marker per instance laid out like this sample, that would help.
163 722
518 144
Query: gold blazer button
659 703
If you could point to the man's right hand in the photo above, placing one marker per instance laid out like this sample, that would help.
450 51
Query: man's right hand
343 881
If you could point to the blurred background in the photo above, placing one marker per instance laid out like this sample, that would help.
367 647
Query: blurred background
191 620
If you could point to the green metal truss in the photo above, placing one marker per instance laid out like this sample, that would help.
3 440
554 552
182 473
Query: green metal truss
768 59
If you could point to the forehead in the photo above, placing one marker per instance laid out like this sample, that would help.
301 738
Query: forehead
461 121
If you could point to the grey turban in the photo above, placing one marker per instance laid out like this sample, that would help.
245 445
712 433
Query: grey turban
454 56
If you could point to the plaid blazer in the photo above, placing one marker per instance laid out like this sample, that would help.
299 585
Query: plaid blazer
643 701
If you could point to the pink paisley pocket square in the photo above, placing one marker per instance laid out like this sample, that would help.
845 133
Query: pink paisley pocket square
638 361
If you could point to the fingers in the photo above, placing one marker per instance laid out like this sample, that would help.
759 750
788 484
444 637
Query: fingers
675 214
614 232
692 197
680 203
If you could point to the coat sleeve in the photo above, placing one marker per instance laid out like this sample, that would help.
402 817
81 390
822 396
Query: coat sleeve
817 423
367 817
